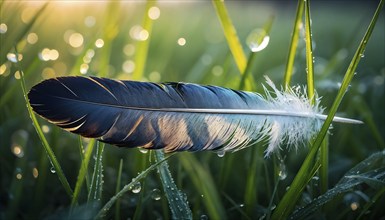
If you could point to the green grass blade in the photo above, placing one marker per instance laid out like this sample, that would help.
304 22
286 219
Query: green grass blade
231 35
95 192
293 43
118 182
290 198
55 163
233 40
309 53
176 200
83 172
142 46
103 212
204 183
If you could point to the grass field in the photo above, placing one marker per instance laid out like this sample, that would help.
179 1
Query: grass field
46 172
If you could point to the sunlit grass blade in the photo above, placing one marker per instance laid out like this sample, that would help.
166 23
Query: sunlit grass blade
293 43
110 31
55 163
83 172
287 204
176 200
142 46
96 188
118 182
204 183
309 53
233 40
103 212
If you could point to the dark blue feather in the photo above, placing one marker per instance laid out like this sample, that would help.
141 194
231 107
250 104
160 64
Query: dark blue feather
173 116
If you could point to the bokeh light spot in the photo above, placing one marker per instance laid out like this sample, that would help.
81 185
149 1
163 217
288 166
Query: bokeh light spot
3 28
129 49
181 41
138 33
17 75
128 66
3 68
32 38
47 73
12 57
99 43
76 40
154 76
90 21
84 68
154 13
35 172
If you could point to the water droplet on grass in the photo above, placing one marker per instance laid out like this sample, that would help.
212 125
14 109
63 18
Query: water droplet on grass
143 150
137 187
257 40
221 153
204 217
53 170
156 194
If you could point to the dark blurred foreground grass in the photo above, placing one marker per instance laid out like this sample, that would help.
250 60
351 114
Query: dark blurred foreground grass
186 43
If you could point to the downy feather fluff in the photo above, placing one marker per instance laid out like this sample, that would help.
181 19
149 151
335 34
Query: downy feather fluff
177 116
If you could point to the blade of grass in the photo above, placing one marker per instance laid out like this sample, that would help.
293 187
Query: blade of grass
293 43
287 204
55 163
110 31
142 46
103 212
82 172
95 192
204 183
309 53
118 182
233 41
177 201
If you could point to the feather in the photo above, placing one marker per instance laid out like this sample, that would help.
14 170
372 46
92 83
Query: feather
177 116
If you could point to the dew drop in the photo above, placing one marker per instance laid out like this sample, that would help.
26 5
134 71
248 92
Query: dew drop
257 40
53 170
19 173
282 173
221 153
204 217
143 150
362 55
156 194
17 150
137 187
12 57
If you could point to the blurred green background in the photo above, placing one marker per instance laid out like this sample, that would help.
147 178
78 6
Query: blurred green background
186 44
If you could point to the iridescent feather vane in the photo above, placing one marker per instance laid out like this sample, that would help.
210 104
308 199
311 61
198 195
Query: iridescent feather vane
177 116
